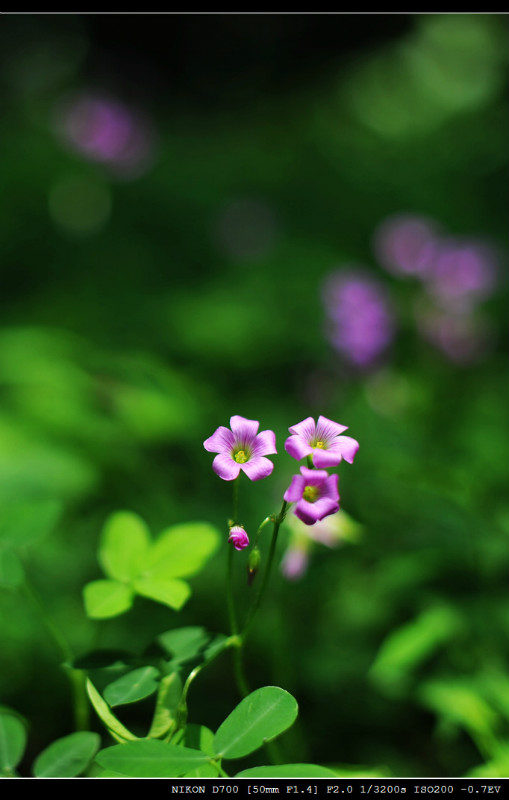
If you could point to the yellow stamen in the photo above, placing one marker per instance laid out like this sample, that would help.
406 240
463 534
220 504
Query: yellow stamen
321 445
310 493
240 457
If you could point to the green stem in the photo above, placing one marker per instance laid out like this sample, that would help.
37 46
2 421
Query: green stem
265 522
232 641
236 500
229 593
254 608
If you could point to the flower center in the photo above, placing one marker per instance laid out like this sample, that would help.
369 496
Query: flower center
310 493
321 445
240 457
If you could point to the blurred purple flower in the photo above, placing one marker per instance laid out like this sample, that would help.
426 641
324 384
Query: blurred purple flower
105 130
238 537
360 319
323 441
406 245
295 562
316 494
462 338
241 448
463 273
332 531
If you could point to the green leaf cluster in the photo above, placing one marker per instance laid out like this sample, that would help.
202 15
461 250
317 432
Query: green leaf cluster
67 757
136 565
257 719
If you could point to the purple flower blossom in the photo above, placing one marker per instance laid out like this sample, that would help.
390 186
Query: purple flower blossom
241 448
238 537
105 130
463 273
462 338
323 441
316 494
332 531
406 245
360 319
295 562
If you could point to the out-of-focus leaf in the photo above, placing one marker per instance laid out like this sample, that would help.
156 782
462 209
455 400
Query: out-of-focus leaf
406 647
22 523
495 767
13 737
124 543
181 550
105 599
12 573
171 592
184 644
67 757
460 703
132 687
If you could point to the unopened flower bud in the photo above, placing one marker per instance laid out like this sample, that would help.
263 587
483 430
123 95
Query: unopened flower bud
253 565
238 537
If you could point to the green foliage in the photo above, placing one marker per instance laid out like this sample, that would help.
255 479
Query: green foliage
124 544
67 757
287 771
136 565
104 598
114 726
23 523
199 294
132 687
406 647
13 736
12 573
150 758
256 720
259 718
168 698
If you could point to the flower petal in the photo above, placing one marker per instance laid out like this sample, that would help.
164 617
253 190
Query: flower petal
297 447
224 466
238 537
323 459
330 488
327 430
220 442
325 506
347 446
244 430
294 491
307 512
265 444
314 477
306 429
257 468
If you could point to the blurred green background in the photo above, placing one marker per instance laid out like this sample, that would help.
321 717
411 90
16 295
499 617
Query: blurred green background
185 201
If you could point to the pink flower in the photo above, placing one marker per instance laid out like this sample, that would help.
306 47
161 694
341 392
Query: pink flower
316 494
238 537
294 563
323 441
241 448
